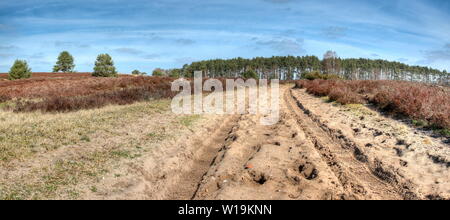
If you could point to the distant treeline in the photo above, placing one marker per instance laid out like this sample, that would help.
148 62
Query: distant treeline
291 68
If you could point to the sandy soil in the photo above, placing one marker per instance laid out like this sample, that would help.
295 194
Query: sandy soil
318 150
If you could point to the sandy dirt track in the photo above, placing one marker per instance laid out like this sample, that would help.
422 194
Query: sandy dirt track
310 154
318 150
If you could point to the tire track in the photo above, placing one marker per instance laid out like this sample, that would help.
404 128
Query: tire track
189 183
268 162
295 159
346 161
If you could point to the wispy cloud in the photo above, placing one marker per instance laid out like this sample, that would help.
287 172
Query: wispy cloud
334 32
4 28
279 1
38 55
432 56
284 46
151 56
6 55
70 44
8 47
185 41
127 50
184 60
169 33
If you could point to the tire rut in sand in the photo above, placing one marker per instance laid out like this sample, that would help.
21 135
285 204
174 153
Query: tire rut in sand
186 187
344 158
268 162
293 159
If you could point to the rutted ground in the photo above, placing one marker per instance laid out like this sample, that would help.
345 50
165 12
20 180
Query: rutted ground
323 151
416 164
318 150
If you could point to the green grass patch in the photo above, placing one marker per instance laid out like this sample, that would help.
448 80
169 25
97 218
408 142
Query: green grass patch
444 132
188 121
420 123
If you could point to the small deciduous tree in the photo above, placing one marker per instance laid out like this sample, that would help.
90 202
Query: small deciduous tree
65 63
331 63
19 70
104 67
138 73
158 72
175 73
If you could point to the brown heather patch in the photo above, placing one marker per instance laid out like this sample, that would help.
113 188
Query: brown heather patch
415 100
80 91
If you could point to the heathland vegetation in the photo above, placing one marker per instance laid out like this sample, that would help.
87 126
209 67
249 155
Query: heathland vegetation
85 135
372 83
427 105
80 91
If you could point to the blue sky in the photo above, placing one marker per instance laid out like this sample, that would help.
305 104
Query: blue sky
169 33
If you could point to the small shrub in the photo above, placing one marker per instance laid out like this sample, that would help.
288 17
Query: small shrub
317 75
320 87
384 101
445 132
312 75
158 72
419 123
300 84
345 96
19 70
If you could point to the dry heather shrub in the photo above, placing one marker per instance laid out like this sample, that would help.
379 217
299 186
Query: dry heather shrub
71 95
300 84
320 87
345 95
119 97
72 86
415 100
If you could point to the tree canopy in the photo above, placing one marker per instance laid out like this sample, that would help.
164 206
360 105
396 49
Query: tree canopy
290 67
138 73
19 70
158 72
104 66
250 74
65 63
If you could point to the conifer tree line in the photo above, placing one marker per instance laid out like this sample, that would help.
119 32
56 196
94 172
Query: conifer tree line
292 68
276 67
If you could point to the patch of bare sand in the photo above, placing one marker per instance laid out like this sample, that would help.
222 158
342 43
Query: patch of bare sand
396 153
